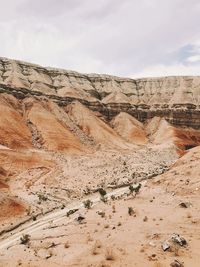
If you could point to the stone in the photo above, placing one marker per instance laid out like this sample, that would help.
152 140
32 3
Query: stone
165 246
176 263
176 238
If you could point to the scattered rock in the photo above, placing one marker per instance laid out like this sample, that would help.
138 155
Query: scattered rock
176 238
165 246
176 263
152 244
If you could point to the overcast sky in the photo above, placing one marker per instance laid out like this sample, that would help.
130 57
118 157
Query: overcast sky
132 38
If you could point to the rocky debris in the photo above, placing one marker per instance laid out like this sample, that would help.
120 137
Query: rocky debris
176 263
176 238
165 246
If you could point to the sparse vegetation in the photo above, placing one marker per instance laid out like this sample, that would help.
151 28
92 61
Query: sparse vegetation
87 204
70 212
102 192
135 189
130 211
113 209
24 239
96 247
101 213
34 218
67 244
113 197
110 254
42 197
145 219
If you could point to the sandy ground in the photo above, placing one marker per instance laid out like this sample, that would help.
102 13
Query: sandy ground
109 236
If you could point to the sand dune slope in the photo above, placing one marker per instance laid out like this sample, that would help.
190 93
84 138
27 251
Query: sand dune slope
129 128
95 128
52 135
14 132
161 132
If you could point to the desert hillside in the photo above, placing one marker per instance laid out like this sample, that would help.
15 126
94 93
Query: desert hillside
97 170
176 98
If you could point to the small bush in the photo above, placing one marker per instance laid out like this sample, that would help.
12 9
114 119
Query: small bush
42 197
102 192
130 211
110 255
24 239
113 197
67 244
135 189
96 247
88 204
102 213
34 218
70 212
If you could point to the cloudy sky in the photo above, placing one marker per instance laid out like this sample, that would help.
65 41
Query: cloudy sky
122 37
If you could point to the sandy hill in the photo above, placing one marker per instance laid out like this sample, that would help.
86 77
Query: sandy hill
129 128
52 135
14 132
161 132
95 128
183 177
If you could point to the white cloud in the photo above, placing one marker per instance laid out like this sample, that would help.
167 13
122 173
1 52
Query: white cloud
193 59
171 70
106 36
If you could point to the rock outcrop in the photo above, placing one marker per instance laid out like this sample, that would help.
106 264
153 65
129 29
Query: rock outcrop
175 98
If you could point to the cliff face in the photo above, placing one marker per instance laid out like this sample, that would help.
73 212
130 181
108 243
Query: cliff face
175 98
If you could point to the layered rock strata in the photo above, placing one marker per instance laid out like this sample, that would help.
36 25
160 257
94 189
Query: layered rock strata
175 98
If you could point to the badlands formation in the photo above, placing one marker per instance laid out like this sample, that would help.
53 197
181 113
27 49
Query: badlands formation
97 170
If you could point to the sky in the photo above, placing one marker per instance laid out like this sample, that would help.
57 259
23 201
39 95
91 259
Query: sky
131 38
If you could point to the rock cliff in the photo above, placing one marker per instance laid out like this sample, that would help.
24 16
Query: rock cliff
175 98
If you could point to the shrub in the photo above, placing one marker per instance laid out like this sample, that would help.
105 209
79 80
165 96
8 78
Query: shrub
101 213
87 204
70 212
102 192
67 244
135 189
34 218
130 211
110 255
24 239
113 197
42 197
